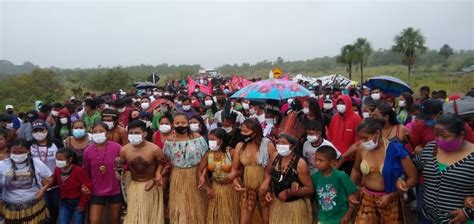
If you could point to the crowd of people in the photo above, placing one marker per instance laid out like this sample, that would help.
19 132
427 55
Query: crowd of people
168 156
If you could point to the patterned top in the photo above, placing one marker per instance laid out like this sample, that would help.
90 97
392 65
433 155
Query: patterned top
445 190
219 164
186 154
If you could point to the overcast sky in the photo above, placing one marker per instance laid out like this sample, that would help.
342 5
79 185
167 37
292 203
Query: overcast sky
71 34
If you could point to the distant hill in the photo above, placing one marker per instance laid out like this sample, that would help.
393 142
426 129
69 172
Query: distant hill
8 68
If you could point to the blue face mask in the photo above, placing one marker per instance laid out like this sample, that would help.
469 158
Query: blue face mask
78 133
226 91
430 123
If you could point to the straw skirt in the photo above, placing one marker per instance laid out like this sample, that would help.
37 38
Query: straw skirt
294 212
224 205
144 206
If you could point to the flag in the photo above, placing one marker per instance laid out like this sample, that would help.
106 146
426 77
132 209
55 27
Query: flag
205 89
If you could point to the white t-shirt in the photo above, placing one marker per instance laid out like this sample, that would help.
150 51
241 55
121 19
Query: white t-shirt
45 155
309 151
24 188
240 116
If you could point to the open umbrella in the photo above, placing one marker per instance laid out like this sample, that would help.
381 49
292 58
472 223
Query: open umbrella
389 85
158 103
276 89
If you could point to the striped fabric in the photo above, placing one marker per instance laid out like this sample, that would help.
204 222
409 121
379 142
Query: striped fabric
444 191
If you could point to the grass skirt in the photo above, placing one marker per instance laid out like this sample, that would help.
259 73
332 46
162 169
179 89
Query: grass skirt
187 204
370 213
144 206
224 205
32 212
294 212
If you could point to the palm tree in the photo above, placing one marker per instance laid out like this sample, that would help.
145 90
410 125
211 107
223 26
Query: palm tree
348 56
363 51
409 43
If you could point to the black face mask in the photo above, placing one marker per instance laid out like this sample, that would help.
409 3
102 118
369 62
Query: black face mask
9 111
181 129
247 138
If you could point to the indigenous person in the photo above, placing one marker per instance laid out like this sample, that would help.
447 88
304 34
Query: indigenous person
115 133
288 168
4 154
24 181
379 163
333 188
144 192
253 154
63 127
185 150
446 165
91 115
223 204
404 103
74 186
44 148
79 140
196 124
393 130
99 164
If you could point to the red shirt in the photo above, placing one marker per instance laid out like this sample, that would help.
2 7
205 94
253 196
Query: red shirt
422 134
70 188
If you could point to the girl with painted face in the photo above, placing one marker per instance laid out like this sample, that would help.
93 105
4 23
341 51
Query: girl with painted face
446 164
185 150
253 154
288 169
25 181
378 165
99 164
79 140
223 204
74 185
44 148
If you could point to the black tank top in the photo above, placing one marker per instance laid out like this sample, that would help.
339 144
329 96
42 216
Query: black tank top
282 181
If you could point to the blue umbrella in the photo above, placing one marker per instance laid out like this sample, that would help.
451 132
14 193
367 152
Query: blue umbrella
275 89
389 85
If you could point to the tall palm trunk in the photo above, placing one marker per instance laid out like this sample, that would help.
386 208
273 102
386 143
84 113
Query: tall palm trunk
350 70
409 73
361 73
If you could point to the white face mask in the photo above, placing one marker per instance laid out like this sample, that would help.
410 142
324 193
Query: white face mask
208 103
9 126
341 108
246 106
179 102
164 128
327 106
145 105
283 150
252 111
186 107
54 113
121 110
110 124
63 120
402 103
194 127
19 158
135 139
147 123
290 100
40 136
365 114
99 138
61 163
228 129
312 138
369 145
375 96
213 145
305 110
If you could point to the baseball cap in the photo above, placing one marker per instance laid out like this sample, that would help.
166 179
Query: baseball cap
430 107
9 107
38 124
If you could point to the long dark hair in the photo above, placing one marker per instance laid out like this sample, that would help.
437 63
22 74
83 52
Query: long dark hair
68 153
223 136
254 125
59 126
314 108
408 99
23 143
188 131
203 128
386 110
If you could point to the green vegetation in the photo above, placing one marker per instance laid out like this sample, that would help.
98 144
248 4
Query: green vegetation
21 85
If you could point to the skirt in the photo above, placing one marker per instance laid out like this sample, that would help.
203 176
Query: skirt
32 212
370 213
144 206
253 178
186 203
224 205
294 212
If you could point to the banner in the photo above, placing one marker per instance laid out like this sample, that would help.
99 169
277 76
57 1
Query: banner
238 82
205 89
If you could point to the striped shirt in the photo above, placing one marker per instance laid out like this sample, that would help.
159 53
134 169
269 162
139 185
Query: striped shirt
444 190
